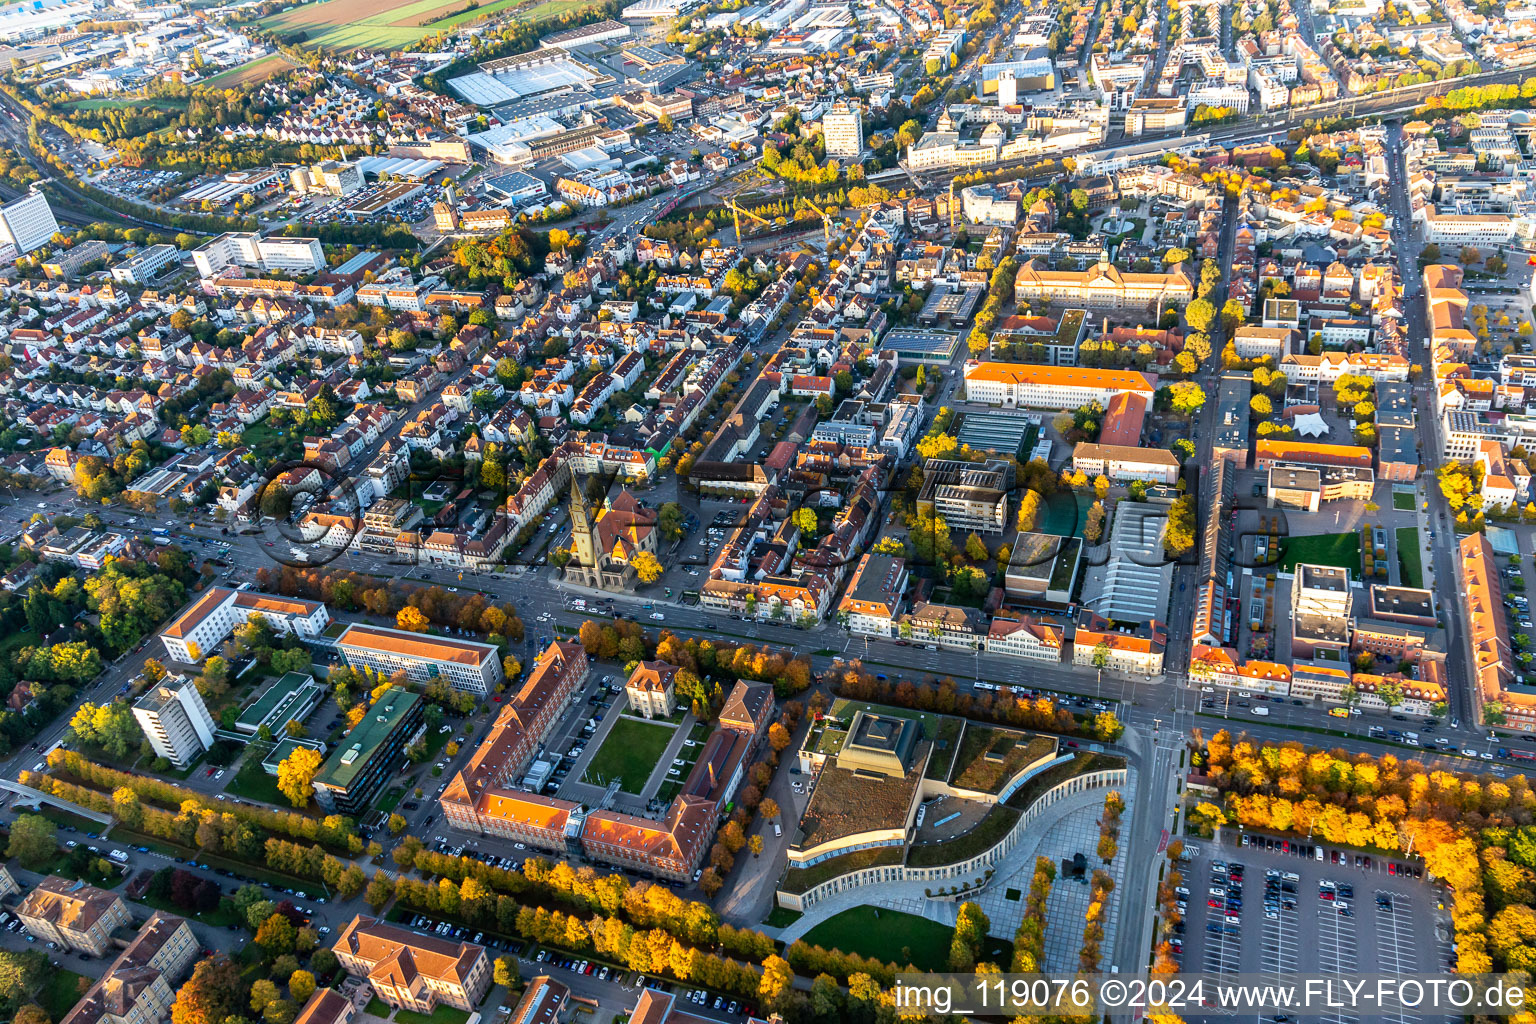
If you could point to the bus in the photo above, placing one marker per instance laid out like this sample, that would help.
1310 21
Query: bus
1522 755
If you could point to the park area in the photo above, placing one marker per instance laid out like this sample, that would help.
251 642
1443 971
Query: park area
629 754
894 937
366 24
1337 549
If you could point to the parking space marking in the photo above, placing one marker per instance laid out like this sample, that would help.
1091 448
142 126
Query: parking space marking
1280 952
1336 949
1395 949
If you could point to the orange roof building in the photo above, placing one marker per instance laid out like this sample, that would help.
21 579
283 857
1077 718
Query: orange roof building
1026 386
207 621
1268 451
414 971
467 664
1487 633
1123 419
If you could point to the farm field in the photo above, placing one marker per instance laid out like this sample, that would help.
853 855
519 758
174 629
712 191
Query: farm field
347 24
258 70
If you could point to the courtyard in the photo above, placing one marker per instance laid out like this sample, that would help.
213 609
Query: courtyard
629 754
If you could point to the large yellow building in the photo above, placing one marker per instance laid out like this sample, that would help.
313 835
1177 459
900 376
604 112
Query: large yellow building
1103 286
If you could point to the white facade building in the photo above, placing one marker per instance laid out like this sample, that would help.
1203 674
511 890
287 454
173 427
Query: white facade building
197 632
843 129
175 720
27 223
249 249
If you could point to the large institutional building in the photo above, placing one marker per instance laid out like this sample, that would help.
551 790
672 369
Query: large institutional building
198 631
482 797
1104 286
366 757
1026 386
466 664
413 971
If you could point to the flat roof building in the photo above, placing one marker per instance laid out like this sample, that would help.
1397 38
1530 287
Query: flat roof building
466 664
368 754
175 720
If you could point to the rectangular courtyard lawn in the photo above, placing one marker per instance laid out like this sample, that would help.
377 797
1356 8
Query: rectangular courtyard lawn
1338 549
1409 557
1402 501
629 754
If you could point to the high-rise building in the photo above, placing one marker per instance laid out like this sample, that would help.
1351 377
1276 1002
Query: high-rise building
843 128
1007 89
27 223
175 720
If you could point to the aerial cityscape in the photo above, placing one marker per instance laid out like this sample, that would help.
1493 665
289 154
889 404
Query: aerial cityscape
705 512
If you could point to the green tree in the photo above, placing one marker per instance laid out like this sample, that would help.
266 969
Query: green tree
32 840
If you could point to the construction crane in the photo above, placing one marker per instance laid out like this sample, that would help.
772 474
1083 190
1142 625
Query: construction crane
738 213
826 222
951 206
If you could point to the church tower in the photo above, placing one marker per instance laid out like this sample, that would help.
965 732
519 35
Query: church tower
583 547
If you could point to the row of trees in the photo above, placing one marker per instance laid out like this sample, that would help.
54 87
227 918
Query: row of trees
999 707
1029 940
150 794
1475 833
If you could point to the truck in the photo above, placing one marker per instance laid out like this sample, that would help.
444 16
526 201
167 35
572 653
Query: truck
160 531
1261 712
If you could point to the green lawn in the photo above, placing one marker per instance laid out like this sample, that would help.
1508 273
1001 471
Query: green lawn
887 935
255 784
441 1015
1402 501
16 641
1409 558
1337 549
782 917
61 992
378 1007
629 754
390 800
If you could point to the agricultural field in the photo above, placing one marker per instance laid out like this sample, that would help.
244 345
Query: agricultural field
258 70
348 24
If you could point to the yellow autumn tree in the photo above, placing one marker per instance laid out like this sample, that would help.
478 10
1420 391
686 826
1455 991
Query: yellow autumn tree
296 775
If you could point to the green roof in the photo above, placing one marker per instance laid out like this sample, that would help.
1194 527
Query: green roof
286 692
357 747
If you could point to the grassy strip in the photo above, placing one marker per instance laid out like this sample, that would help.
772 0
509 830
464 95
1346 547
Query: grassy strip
800 880
989 831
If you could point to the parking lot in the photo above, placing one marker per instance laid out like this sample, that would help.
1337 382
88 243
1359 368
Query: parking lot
1276 912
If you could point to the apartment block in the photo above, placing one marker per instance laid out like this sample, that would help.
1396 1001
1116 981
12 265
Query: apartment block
175 720
141 984
413 971
74 914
